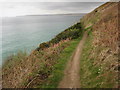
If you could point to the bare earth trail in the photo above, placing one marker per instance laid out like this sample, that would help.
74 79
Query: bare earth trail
71 77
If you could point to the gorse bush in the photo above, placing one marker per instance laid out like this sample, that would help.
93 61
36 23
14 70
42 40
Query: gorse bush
72 32
75 26
44 45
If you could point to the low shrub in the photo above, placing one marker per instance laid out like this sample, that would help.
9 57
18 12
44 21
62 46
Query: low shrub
72 32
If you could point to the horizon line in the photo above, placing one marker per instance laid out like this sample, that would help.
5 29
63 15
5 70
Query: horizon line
42 15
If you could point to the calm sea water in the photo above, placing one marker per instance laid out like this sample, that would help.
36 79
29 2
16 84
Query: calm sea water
27 32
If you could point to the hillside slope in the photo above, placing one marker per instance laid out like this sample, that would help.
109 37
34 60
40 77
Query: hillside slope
100 62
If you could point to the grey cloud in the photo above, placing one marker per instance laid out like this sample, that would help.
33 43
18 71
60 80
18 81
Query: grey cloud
69 6
63 6
54 7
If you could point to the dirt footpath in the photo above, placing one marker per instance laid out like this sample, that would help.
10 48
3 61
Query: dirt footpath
71 77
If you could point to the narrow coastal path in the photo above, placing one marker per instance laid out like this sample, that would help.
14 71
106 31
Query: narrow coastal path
71 77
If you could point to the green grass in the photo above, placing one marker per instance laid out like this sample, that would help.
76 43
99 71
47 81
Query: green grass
58 69
88 72
91 74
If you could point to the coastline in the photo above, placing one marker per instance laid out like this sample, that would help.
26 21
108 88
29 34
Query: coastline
40 34
45 66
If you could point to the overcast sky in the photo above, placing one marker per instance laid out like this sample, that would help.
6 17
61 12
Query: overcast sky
54 0
18 7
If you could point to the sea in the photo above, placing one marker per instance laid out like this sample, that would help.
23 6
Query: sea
25 33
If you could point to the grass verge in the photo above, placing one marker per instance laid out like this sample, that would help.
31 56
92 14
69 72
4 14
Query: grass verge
88 72
93 72
58 72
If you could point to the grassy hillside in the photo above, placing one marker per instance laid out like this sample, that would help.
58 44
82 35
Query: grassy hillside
99 63
99 66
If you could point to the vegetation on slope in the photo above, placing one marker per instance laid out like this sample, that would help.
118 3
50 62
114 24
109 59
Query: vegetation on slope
99 66
99 63
72 32
93 73
57 74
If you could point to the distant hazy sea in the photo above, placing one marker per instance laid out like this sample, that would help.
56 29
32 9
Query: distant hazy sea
27 32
